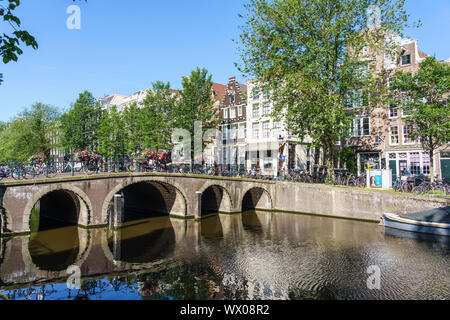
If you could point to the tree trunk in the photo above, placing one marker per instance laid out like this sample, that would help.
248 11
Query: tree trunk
329 163
432 166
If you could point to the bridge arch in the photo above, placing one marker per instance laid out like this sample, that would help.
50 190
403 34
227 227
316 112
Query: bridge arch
256 197
215 198
81 200
171 192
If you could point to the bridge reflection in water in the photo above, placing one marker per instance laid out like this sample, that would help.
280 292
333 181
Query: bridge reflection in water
253 255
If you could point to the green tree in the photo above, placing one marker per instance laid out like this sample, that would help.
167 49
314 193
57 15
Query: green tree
156 118
196 104
133 129
80 124
308 52
29 133
111 134
424 98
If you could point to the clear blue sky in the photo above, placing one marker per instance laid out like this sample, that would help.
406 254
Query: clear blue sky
124 46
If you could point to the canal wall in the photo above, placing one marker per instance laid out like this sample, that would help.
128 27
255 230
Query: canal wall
349 203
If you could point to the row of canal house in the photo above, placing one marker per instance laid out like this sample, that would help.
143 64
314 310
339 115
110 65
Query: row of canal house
248 137
380 136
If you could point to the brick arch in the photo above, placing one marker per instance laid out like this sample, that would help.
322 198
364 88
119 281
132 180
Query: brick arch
85 214
269 206
228 205
180 194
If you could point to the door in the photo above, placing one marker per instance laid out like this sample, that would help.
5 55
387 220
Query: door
445 169
393 167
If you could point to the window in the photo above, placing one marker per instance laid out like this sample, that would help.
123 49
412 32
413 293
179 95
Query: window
255 93
256 111
357 99
415 162
426 163
266 129
231 98
255 128
225 132
406 107
266 92
241 131
266 109
240 111
393 111
361 127
233 113
225 113
407 130
233 132
393 135
406 59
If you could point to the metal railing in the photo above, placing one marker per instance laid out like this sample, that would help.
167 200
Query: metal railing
52 169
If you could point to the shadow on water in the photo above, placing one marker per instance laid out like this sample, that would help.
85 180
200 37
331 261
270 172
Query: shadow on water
211 228
251 221
143 241
429 240
54 249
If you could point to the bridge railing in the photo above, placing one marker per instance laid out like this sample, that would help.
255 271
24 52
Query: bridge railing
51 169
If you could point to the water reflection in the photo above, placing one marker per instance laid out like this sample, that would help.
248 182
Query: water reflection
256 255
211 228
54 249
251 221
143 241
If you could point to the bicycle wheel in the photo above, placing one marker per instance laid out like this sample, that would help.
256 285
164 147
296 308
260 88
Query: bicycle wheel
18 173
131 167
51 171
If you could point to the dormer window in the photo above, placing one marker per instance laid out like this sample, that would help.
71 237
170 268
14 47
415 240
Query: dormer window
406 59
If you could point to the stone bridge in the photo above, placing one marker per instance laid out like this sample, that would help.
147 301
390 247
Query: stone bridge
95 201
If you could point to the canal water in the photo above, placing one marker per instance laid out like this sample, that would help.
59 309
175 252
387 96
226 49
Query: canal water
254 255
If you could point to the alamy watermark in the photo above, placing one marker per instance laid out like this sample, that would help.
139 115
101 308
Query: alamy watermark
74 20
74 280
374 280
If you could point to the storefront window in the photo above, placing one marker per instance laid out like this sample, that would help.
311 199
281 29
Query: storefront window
369 161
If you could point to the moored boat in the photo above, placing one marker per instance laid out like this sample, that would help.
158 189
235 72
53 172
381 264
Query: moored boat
436 221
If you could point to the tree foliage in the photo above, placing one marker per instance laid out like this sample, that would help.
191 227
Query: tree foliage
80 124
29 133
196 104
309 54
424 98
111 134
156 118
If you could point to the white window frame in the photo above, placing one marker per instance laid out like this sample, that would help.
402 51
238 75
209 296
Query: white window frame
266 129
266 109
403 136
256 106
255 128
232 113
258 91
396 108
240 111
390 136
